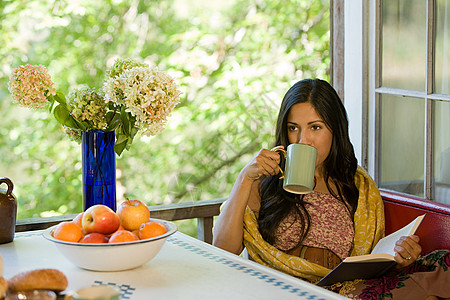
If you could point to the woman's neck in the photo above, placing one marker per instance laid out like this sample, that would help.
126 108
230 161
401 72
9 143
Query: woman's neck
321 186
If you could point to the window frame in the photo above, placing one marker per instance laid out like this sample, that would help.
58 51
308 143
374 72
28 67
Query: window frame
371 49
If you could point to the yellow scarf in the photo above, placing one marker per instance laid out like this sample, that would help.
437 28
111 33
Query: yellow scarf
369 229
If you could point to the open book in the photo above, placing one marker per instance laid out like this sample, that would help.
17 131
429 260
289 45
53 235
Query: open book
371 265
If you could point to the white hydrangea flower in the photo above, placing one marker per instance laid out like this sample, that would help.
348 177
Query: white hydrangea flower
148 94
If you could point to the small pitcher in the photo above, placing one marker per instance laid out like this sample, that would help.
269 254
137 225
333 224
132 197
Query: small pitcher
8 212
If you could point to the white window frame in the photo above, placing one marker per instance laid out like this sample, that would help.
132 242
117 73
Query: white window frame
354 21
362 88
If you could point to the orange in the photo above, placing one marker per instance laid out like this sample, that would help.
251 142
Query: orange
151 229
123 236
120 228
67 231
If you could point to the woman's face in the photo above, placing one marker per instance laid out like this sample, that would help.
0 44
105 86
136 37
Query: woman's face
305 126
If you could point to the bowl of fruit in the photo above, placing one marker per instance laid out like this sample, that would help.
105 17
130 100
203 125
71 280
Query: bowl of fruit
100 239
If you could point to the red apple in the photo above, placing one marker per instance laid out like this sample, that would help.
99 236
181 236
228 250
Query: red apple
78 219
132 214
94 237
100 218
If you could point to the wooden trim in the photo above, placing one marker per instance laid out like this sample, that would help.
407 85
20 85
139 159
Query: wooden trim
365 117
204 211
401 92
429 105
204 229
378 69
372 15
41 223
337 43
411 93
187 210
378 43
431 41
429 186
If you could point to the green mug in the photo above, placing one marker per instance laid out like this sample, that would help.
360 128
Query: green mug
299 168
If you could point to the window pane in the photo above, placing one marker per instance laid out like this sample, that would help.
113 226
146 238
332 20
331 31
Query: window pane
404 44
442 46
402 144
442 152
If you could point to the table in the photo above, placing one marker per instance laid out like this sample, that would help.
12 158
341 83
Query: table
185 268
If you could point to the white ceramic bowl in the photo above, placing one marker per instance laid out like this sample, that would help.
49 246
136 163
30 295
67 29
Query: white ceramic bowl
114 256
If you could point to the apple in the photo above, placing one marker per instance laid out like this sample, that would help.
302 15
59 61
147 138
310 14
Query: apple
100 218
78 219
94 237
132 214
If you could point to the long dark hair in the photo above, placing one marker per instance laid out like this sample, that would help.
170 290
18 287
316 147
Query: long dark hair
339 167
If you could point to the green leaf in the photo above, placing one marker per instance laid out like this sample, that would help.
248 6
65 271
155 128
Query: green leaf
82 125
113 125
118 148
133 132
59 97
52 104
120 138
125 121
110 115
113 120
63 116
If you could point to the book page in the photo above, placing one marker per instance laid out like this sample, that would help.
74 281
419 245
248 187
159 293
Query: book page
369 257
387 244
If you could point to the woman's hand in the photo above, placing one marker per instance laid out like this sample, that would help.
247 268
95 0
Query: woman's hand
407 250
263 164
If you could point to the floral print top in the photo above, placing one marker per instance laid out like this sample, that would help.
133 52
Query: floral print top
331 226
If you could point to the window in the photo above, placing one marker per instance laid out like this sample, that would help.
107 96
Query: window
234 60
412 97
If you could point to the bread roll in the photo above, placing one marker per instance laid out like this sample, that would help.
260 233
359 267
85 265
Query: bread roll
1 265
3 286
40 279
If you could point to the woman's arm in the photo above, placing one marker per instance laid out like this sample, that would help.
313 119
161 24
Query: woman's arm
228 229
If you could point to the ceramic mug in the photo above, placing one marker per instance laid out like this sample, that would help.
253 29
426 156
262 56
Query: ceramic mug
8 212
95 292
298 176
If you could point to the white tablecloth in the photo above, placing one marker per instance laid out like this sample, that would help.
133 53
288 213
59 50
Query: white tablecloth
185 268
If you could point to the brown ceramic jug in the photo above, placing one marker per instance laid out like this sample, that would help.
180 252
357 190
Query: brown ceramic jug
8 212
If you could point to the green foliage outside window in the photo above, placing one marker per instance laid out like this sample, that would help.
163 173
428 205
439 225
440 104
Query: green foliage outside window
233 63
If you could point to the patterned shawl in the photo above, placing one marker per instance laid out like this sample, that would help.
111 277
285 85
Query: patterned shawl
369 229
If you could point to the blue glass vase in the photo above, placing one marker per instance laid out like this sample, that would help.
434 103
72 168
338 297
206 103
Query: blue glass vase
99 168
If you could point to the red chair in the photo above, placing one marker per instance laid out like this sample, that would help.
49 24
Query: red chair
434 232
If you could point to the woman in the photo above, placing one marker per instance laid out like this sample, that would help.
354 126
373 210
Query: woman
308 235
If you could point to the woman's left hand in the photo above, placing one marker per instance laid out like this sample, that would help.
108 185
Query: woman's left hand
407 250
